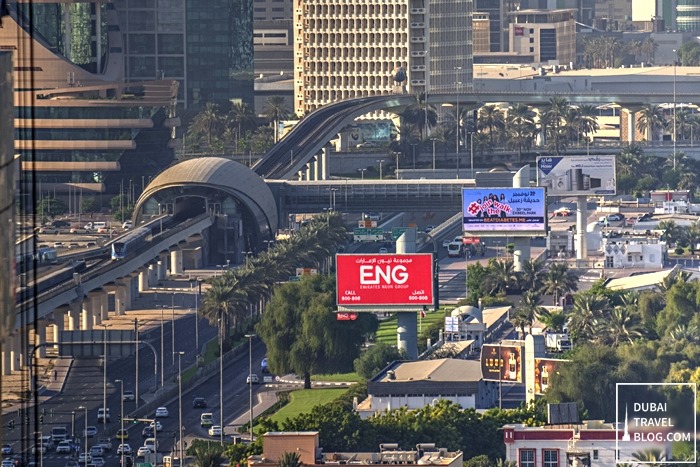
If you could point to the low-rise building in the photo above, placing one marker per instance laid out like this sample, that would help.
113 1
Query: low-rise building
634 252
589 444
306 445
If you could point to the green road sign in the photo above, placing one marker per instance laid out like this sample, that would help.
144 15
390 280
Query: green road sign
294 278
396 232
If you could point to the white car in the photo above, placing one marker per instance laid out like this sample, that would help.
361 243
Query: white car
446 242
129 396
383 250
64 447
82 456
215 430
97 451
158 426
162 412
143 451
252 379
98 462
125 449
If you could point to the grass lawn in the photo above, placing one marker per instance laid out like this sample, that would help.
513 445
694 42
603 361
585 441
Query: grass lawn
387 328
338 378
303 400
209 356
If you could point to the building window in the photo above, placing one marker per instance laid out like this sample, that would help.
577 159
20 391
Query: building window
629 256
527 458
550 457
595 451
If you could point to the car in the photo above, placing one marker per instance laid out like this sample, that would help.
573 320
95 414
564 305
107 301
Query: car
39 448
90 431
127 225
151 444
8 463
98 462
446 242
60 224
58 244
615 217
97 451
215 430
72 463
7 450
157 424
199 403
162 412
263 365
129 396
122 434
105 443
49 230
47 441
64 447
102 415
143 451
429 228
124 449
252 379
128 461
643 217
206 419
383 250
83 456
147 432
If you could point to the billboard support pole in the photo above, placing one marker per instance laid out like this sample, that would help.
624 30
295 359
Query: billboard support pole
521 245
581 217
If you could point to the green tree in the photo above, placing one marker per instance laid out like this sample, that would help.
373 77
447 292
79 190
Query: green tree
377 357
531 275
290 459
554 320
301 332
89 204
242 118
492 121
554 125
276 110
559 280
520 128
206 453
420 116
479 461
209 122
499 277
650 120
51 207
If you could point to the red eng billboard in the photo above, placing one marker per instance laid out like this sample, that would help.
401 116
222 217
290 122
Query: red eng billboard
381 279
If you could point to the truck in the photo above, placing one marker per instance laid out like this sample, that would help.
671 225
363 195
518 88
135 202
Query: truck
454 250
558 342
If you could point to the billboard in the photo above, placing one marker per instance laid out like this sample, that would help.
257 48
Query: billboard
544 369
502 363
384 279
495 210
577 175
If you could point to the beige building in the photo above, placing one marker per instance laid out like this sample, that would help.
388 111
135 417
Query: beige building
549 36
481 33
347 49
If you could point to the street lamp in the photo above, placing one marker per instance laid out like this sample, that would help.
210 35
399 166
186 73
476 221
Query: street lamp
162 354
250 381
172 322
363 172
104 379
179 384
433 139
471 151
381 161
674 108
85 446
121 414
221 379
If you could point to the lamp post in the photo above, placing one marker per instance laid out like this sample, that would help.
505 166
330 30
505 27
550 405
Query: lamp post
104 378
121 413
226 237
381 161
85 438
196 317
250 382
162 354
221 379
172 325
155 377
674 109
471 151
433 154
363 172
179 389
72 424
458 83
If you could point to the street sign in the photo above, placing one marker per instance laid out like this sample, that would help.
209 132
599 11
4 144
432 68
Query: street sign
368 235
294 278
346 316
396 232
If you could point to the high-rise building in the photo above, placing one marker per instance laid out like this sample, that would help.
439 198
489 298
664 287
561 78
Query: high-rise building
345 49
549 36
79 128
498 20
207 45
688 15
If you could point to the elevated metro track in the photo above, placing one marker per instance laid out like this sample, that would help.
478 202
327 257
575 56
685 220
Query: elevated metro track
315 131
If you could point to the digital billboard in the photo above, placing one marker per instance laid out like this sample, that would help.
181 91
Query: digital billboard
502 363
544 369
384 279
577 175
495 210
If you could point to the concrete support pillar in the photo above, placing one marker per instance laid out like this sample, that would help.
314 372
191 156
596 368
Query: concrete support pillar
308 172
176 262
120 299
324 162
631 120
16 351
86 314
7 357
152 274
300 175
143 280
125 282
521 251
406 335
95 298
316 168
134 286
74 315
59 317
163 265
40 338
581 219
105 305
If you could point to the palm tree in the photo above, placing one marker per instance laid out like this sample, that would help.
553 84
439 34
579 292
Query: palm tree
208 121
559 280
208 454
520 128
553 320
242 118
621 325
557 134
671 231
587 310
650 120
290 459
530 275
491 119
529 307
650 457
500 275
420 115
520 320
588 115
276 110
